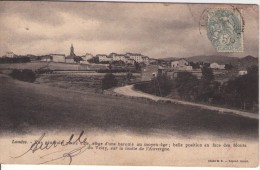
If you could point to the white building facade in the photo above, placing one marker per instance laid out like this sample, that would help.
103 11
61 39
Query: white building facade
103 58
217 66
119 57
242 72
88 56
179 63
10 54
146 60
136 57
59 58
130 61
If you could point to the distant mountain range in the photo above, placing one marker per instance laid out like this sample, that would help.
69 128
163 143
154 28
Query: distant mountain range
213 58
241 62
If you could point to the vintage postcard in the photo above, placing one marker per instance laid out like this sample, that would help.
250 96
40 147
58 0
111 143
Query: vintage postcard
116 83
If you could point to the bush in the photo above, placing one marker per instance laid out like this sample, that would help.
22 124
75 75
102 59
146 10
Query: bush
243 91
20 59
159 86
24 75
109 81
164 85
187 86
129 76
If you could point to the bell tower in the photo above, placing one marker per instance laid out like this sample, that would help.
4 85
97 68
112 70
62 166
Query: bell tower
72 54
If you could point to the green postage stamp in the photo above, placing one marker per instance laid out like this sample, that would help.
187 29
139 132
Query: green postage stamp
225 29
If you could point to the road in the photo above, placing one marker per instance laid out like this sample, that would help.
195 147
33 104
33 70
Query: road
130 91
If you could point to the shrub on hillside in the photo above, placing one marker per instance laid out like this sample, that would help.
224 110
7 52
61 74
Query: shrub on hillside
187 85
24 75
109 81
243 91
159 86
20 59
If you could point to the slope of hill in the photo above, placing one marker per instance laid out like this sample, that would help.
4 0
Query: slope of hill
244 62
213 58
170 58
207 58
27 107
247 61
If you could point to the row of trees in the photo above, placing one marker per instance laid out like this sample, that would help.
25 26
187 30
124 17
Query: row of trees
15 60
240 92
160 86
24 75
189 87
243 91
109 80
197 65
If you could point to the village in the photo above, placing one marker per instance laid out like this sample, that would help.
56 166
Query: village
212 82
206 82
128 62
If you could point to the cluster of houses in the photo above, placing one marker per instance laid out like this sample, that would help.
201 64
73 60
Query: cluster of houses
10 54
54 58
62 58
128 58
182 64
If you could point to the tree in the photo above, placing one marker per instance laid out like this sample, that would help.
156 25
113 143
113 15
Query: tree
205 90
77 59
24 75
163 85
243 91
229 66
109 81
129 76
160 86
110 66
137 66
187 85
93 60
16 59
207 74
217 96
194 65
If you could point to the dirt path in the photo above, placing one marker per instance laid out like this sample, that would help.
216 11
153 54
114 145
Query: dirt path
130 91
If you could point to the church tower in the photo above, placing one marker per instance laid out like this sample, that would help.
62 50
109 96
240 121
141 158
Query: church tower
72 54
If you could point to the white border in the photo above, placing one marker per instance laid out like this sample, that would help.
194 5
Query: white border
76 167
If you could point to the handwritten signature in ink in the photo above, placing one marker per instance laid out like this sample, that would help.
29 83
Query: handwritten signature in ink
68 154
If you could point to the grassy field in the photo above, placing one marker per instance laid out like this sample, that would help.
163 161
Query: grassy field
69 76
74 82
27 107
52 66
38 65
85 82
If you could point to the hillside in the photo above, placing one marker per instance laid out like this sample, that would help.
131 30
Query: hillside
44 108
207 58
170 58
213 58
244 62
247 61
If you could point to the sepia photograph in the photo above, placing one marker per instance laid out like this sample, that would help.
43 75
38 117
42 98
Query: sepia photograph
129 83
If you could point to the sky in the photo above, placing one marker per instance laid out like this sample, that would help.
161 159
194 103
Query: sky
153 29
